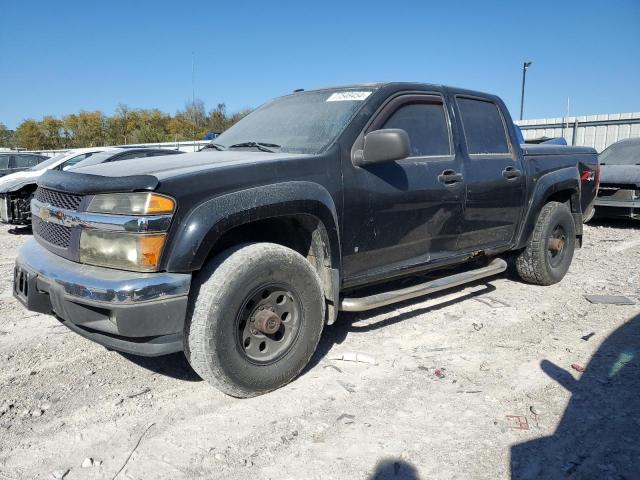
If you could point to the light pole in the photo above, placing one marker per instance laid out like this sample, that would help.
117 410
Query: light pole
525 67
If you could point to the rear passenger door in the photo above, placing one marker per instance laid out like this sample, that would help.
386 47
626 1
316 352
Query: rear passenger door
404 214
493 176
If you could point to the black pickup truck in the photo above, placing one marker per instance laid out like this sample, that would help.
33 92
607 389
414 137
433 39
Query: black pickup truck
240 254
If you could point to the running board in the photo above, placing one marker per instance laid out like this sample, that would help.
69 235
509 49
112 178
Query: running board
496 266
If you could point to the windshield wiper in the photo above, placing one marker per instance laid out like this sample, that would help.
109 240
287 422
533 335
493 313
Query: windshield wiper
215 146
262 146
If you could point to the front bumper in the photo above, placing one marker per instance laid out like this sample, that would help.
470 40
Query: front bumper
138 313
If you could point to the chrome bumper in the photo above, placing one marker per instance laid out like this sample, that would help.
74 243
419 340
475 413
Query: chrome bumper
140 313
98 284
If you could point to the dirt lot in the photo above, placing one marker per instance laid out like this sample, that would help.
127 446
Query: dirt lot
456 390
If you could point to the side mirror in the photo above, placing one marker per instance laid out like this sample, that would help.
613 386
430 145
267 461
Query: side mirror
384 145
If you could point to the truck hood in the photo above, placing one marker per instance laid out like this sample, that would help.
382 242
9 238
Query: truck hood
13 181
177 165
620 174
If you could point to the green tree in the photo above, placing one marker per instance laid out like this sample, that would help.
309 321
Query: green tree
29 135
6 136
86 129
53 136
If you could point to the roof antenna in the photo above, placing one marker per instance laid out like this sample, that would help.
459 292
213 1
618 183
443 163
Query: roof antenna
298 90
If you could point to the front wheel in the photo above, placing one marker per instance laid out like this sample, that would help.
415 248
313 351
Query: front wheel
547 256
255 318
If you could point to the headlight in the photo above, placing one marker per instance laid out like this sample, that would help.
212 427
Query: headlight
139 203
125 251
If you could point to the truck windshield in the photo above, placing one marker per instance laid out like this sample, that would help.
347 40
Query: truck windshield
305 122
624 152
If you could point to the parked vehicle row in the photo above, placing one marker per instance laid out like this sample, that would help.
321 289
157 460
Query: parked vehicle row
238 255
16 190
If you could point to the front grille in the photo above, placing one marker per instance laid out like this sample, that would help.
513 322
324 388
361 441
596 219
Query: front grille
68 201
53 233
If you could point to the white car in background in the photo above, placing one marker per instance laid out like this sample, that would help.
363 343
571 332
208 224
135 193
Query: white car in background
17 188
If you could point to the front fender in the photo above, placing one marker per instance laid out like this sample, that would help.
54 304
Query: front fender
561 180
208 221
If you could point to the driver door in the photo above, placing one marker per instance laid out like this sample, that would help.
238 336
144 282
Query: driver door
404 214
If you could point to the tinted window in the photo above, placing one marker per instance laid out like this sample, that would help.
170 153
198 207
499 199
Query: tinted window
483 127
127 156
72 161
625 152
25 161
159 153
4 161
426 125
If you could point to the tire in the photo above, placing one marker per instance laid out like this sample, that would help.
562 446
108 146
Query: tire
222 340
544 262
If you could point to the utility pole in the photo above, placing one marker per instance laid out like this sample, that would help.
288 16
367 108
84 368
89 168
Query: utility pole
193 96
525 67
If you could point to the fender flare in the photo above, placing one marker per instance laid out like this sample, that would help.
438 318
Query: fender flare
209 220
564 179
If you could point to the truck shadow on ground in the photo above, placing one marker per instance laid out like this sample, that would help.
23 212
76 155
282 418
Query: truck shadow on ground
174 366
357 322
621 223
22 230
599 433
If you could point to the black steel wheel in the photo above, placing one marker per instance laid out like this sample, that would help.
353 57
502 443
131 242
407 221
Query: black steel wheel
256 313
268 323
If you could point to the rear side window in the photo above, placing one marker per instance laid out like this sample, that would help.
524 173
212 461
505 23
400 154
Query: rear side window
483 127
426 125
4 161
129 155
25 161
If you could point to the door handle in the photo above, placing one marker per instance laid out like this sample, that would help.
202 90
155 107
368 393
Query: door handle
450 177
510 173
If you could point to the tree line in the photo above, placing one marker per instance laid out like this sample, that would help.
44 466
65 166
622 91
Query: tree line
126 125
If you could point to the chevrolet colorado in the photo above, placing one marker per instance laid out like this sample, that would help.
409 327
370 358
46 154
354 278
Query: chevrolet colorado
240 254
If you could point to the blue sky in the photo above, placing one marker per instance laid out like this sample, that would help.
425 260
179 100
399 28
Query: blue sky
62 57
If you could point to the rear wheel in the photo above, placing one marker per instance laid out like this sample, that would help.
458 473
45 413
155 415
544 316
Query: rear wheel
548 255
255 319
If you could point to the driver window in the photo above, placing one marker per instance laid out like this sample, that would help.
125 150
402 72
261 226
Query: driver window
426 125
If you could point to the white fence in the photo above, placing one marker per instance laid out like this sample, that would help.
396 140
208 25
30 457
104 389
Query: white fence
598 131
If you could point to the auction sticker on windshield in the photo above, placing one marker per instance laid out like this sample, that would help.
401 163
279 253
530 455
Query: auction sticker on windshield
348 96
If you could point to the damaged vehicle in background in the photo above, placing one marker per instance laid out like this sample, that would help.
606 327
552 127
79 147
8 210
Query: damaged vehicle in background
12 162
619 192
16 191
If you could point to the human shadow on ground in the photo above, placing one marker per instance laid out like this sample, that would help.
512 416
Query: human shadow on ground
598 436
394 469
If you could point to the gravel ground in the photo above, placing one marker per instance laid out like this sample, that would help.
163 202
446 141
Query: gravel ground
475 385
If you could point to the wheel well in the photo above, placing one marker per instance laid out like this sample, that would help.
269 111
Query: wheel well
568 197
303 233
